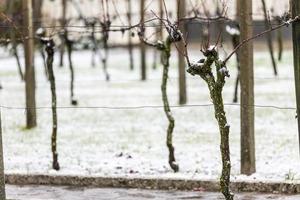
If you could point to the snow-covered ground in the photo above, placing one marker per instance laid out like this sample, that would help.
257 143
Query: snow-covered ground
131 142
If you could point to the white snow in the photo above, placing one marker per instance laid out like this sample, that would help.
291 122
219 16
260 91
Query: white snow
232 31
90 141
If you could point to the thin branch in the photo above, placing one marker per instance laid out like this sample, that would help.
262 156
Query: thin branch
287 23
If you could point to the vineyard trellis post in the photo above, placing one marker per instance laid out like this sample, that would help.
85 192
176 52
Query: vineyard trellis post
2 176
142 45
37 5
181 9
29 65
295 7
247 90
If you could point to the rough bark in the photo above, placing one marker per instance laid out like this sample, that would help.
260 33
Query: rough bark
50 56
165 49
165 56
215 86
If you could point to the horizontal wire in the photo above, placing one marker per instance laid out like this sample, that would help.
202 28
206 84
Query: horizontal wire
113 26
145 107
158 79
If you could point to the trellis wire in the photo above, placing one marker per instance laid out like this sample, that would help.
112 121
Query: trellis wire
144 107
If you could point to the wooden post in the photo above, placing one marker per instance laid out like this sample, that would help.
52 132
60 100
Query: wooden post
295 7
181 9
2 176
237 10
37 14
247 90
142 45
29 65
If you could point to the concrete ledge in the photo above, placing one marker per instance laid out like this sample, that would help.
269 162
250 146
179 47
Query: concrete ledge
150 183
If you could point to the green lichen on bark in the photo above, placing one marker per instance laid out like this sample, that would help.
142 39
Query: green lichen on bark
50 55
165 49
215 85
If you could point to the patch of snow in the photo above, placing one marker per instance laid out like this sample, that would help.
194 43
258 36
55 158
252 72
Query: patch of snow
89 139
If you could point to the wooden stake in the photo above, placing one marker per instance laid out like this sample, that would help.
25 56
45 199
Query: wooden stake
181 9
63 23
142 45
295 7
247 90
37 6
29 65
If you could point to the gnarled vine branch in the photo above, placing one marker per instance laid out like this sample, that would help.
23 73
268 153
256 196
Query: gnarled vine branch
165 48
203 68
49 43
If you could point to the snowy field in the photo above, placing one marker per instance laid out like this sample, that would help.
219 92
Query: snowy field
131 142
